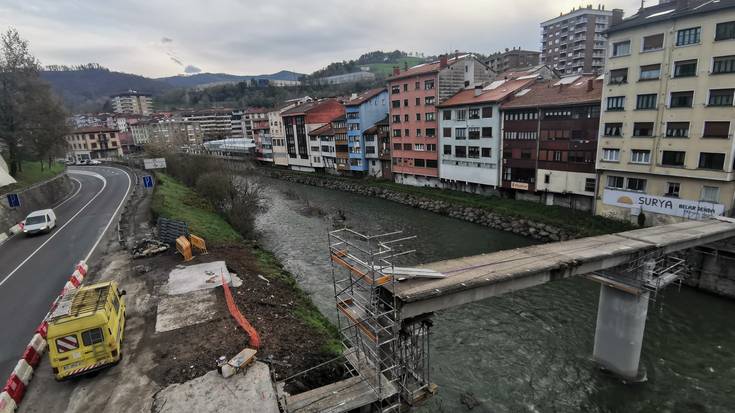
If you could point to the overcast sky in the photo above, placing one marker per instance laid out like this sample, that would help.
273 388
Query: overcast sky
162 38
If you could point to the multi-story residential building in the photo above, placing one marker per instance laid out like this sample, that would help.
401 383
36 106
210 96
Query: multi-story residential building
666 142
469 126
172 133
277 131
93 143
304 152
325 136
262 138
377 149
513 58
414 94
132 102
575 42
251 116
215 124
341 145
550 140
362 111
238 126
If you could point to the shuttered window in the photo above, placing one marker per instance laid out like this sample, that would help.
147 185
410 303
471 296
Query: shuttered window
716 129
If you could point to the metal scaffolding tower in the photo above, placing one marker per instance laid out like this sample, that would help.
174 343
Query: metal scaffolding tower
388 353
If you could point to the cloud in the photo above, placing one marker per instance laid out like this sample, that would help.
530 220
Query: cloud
191 69
166 40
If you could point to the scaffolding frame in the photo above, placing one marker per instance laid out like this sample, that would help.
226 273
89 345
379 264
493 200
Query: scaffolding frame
390 354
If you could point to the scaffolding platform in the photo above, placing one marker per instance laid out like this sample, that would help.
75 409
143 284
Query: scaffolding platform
342 396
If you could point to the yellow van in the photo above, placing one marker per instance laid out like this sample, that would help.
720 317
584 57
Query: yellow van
85 330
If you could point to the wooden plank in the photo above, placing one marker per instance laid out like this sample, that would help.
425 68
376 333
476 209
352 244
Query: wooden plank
339 397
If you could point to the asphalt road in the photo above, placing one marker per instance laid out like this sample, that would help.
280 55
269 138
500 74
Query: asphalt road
34 269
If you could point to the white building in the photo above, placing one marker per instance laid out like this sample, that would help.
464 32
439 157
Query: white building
132 102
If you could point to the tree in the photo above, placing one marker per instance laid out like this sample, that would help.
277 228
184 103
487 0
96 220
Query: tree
32 120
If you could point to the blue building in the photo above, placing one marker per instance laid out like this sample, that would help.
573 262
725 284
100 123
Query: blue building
362 112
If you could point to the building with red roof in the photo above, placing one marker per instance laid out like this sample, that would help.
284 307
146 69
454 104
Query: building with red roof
304 152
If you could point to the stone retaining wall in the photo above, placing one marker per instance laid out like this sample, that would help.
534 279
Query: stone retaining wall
524 227
40 196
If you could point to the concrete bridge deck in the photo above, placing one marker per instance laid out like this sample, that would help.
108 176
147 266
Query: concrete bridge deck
478 277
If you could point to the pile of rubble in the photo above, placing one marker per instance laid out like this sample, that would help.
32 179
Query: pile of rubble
148 247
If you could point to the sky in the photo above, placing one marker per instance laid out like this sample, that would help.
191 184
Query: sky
158 38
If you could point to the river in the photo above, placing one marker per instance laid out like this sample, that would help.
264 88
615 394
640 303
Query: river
529 351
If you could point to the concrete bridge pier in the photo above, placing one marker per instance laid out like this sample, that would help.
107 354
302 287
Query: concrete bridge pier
621 321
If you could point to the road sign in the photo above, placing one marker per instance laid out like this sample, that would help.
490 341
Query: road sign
148 181
13 200
154 163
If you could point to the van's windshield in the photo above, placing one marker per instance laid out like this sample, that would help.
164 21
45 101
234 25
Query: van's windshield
38 219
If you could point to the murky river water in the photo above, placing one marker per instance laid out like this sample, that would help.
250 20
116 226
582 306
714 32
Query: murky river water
529 351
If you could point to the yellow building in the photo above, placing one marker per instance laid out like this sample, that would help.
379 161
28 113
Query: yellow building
93 143
666 132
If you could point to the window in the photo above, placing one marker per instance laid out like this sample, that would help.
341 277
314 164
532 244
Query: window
647 101
650 72
395 90
725 31
589 185
418 101
673 158
643 129
428 85
527 155
723 64
711 194
653 42
93 336
618 76
407 147
461 114
616 103
688 36
419 163
711 161
429 116
487 111
406 132
636 184
682 99
447 132
640 156
418 116
611 155
613 129
430 132
396 118
405 117
475 113
405 102
721 97
716 130
685 68
615 182
447 149
396 133
473 152
447 114
487 132
460 133
677 129
621 48
396 103
486 153
431 163
417 85
429 100
473 133
418 132
672 189
418 147
460 151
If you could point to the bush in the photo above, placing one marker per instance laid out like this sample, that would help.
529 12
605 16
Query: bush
237 198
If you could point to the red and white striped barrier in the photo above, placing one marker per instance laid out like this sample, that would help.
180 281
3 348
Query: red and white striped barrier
14 390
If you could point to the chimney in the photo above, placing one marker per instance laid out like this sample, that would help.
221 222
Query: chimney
478 90
590 85
353 96
396 70
443 61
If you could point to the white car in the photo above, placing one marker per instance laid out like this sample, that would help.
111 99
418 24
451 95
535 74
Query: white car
43 220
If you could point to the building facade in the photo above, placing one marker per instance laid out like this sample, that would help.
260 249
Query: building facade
215 124
575 42
132 102
414 94
304 152
362 112
277 131
513 58
377 149
93 143
666 141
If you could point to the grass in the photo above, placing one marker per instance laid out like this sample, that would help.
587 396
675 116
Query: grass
32 173
173 200
387 68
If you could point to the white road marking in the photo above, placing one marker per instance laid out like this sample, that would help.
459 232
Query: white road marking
112 218
104 185
72 196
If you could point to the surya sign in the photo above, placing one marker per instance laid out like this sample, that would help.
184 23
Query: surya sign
662 205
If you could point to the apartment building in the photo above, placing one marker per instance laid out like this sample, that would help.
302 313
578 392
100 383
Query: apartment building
325 136
277 134
132 102
262 138
238 126
304 152
362 111
513 58
250 116
550 140
574 42
469 125
341 146
414 94
377 149
666 142
215 124
94 142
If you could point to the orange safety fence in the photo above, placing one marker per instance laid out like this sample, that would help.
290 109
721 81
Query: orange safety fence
237 315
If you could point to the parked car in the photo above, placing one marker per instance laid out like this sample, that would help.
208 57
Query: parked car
94 162
43 220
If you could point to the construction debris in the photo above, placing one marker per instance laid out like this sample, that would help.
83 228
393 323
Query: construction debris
240 362
148 247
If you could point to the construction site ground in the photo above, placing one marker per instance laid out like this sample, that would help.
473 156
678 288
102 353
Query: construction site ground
291 341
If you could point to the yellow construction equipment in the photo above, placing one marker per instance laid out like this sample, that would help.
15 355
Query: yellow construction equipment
198 243
183 246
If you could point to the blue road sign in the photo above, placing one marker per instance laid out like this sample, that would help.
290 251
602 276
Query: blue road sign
148 181
13 200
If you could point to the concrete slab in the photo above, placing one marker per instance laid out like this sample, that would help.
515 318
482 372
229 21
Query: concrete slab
187 278
249 392
183 310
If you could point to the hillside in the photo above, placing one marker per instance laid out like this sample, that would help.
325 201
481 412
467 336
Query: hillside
202 79
88 87
381 63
